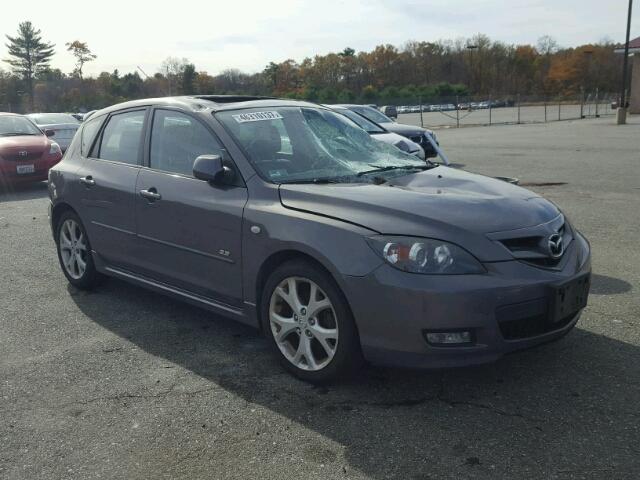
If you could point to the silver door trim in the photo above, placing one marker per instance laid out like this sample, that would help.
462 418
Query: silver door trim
111 227
187 249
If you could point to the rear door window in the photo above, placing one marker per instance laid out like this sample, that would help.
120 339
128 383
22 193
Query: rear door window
121 139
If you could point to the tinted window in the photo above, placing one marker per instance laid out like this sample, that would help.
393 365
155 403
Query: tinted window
121 137
89 131
177 140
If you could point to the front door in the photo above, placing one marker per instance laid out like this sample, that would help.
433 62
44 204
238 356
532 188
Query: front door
189 231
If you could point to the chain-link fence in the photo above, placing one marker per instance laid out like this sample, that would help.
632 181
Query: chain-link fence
461 111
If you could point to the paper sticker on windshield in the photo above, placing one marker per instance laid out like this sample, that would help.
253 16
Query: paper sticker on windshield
256 116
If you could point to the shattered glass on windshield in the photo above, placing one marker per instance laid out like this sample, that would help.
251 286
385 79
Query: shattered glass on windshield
293 144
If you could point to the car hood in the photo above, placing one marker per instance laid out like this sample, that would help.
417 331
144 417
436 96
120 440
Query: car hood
402 129
29 143
397 140
442 203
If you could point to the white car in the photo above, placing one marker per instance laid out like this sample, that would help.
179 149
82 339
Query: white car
379 133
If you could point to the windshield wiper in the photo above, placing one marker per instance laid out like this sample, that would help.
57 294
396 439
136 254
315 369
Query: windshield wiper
393 167
317 181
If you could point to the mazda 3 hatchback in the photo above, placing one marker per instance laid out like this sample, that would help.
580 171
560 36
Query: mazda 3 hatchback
288 217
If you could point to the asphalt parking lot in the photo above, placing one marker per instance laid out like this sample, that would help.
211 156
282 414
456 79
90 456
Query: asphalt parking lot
124 383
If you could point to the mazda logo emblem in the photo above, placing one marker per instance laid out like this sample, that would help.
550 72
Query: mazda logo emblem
556 245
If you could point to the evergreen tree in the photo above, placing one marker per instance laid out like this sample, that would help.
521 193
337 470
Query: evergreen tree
29 54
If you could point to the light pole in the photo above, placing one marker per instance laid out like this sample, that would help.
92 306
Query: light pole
471 48
622 108
586 80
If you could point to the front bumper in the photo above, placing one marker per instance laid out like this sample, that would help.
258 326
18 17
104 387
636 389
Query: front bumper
9 173
393 309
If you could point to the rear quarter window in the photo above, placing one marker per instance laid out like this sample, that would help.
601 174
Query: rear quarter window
89 131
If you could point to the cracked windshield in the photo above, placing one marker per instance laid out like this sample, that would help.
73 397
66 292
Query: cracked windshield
293 144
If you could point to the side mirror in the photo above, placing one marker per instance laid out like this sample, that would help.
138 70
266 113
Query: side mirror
49 133
209 168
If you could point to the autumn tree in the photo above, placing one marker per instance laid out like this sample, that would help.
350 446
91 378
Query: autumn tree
29 54
82 53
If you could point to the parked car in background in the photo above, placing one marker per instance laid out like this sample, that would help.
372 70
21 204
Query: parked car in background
379 133
415 134
390 111
338 247
63 126
78 116
26 152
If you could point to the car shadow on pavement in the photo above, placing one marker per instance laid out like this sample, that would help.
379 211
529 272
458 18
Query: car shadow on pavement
28 191
605 285
563 410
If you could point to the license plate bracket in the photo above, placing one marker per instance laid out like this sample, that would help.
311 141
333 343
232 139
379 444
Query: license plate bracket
24 169
569 297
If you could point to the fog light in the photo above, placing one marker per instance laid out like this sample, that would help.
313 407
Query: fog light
448 338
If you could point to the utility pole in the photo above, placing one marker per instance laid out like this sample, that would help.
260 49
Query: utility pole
472 75
621 117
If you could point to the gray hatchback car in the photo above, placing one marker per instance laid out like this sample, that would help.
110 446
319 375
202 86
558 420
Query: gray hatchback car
288 217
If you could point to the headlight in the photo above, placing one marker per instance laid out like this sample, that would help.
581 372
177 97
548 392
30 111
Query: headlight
55 148
424 255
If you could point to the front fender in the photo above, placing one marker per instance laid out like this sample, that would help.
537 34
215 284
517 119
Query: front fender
340 247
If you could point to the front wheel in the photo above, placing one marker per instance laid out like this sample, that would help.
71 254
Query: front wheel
308 321
74 252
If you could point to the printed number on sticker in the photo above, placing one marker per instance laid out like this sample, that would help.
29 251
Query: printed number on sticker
256 116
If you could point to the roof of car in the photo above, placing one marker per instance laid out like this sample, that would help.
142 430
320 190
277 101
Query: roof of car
212 102
349 105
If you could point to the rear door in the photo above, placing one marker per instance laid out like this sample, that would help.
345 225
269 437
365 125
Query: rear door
107 185
189 230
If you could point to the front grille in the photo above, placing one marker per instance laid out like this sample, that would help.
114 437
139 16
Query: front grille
29 157
533 249
531 326
544 262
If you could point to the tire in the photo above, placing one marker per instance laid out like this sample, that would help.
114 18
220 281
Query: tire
315 342
74 249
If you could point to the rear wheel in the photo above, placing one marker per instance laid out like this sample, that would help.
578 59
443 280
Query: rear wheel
309 323
74 252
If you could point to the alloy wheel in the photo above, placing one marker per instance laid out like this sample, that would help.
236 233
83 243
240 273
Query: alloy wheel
303 323
73 249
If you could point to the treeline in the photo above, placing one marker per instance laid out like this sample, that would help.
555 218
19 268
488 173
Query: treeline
387 74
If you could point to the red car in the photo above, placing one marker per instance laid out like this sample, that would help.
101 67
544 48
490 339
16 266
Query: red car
26 152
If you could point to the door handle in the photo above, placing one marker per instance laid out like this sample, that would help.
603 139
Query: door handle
88 181
151 194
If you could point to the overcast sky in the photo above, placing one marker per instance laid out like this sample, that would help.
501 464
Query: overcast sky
249 34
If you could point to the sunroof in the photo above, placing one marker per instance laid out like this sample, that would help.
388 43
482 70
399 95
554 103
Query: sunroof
231 98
